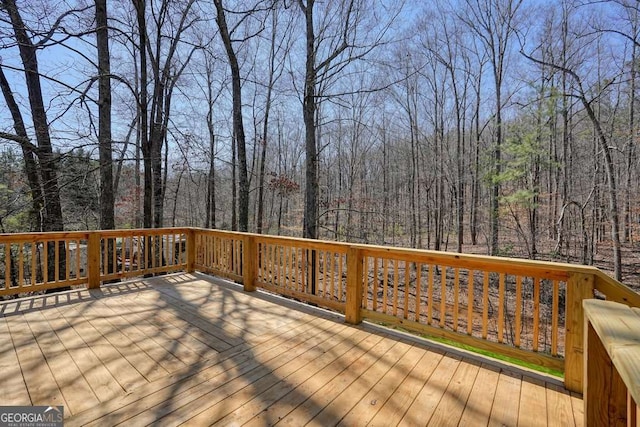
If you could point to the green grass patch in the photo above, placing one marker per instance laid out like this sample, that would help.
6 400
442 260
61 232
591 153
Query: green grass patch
487 353
498 356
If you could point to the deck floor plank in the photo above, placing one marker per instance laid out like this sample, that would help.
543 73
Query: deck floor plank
40 382
100 319
346 399
533 403
367 408
177 321
261 409
150 344
478 408
180 344
396 407
182 389
329 384
126 374
244 404
577 404
308 383
69 379
211 405
451 406
103 384
506 401
429 397
191 349
14 390
559 410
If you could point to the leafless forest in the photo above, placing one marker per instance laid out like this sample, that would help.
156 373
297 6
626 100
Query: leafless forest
503 127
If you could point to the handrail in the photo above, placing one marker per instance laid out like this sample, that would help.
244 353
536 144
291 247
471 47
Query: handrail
612 352
530 310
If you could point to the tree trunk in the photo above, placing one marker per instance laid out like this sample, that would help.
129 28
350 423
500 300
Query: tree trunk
234 191
147 210
238 126
211 179
28 154
630 148
310 221
52 220
107 218
265 127
611 181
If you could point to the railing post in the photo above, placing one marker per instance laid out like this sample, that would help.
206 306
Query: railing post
191 250
579 287
93 260
353 312
611 346
249 251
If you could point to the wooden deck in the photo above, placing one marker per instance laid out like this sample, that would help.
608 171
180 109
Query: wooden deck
187 348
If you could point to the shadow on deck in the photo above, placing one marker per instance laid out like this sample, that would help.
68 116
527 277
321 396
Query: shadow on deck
189 348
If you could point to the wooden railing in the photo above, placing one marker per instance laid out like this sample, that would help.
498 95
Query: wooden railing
34 262
612 354
529 310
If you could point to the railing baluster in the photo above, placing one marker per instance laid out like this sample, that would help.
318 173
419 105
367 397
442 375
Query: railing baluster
77 261
456 297
66 259
93 260
385 283
554 318
332 271
279 265
296 268
430 285
485 305
536 313
33 280
103 251
501 311
340 286
272 264
518 313
291 282
355 279
470 301
21 264
407 274
56 269
301 269
395 287
418 288
375 284
443 296
7 265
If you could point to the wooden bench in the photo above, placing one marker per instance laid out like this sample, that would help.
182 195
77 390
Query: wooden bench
611 364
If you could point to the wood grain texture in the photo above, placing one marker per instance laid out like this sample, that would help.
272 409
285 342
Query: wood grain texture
187 348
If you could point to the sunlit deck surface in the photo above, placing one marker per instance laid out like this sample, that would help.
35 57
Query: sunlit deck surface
189 348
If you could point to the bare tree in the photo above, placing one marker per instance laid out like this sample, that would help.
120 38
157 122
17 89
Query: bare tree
238 125
579 92
107 200
494 21
52 220
28 153
340 43
278 49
